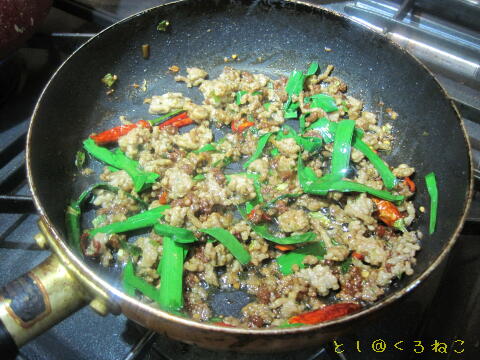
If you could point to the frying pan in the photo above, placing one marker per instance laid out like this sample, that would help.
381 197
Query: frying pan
271 37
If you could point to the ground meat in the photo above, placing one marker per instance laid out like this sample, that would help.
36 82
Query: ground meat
166 103
194 139
195 77
320 277
242 187
403 170
293 221
177 182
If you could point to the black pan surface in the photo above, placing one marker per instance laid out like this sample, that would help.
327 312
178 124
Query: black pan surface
286 36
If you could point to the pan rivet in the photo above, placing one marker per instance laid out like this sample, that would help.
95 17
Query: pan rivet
41 241
99 306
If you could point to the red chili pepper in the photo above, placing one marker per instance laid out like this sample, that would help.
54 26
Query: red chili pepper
387 212
112 135
410 184
257 215
221 323
244 125
172 121
162 198
181 123
326 313
284 247
358 256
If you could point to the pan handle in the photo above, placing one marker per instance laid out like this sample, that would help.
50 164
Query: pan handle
36 301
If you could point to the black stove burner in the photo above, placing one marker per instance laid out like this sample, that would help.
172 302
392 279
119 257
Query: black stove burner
11 70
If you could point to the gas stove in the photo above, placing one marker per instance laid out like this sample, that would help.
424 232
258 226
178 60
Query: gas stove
445 35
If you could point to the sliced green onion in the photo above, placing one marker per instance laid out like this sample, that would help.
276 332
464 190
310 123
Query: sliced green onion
199 177
205 148
342 147
312 69
295 257
119 160
164 118
179 235
163 25
138 221
131 282
432 189
267 105
230 242
238 96
295 83
274 152
262 142
263 231
80 159
311 184
170 269
301 123
328 129
322 101
345 265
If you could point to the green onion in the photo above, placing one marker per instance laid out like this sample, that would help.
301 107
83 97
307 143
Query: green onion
138 221
295 257
164 118
262 142
131 282
257 93
100 219
263 231
301 123
230 242
312 69
199 177
345 265
80 159
179 235
132 249
109 79
311 184
238 96
342 147
432 189
170 269
74 213
274 152
295 83
205 148
328 128
163 25
322 101
267 105
119 160
281 197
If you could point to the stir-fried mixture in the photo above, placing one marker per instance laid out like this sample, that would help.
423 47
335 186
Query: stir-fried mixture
290 202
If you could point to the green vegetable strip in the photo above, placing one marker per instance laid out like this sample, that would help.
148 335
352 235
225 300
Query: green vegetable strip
432 189
281 197
199 177
328 129
295 83
164 118
311 184
345 265
138 221
384 171
205 148
263 231
119 160
231 243
322 101
179 235
322 188
171 275
131 282
74 212
301 123
312 69
238 96
262 142
342 147
295 257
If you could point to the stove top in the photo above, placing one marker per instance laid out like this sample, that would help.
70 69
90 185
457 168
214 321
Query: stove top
445 309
